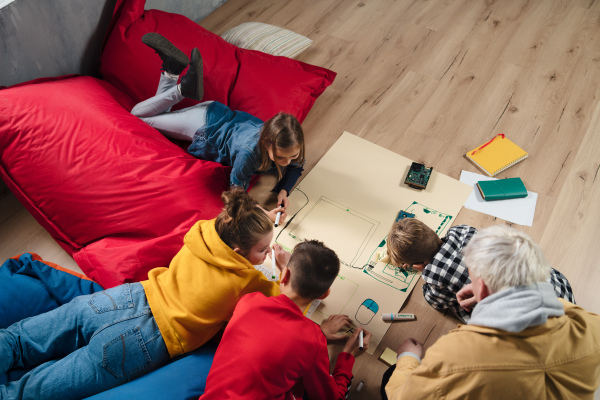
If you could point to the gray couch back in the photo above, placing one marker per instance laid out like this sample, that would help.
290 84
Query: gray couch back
40 38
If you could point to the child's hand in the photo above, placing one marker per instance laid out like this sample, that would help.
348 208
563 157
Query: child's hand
273 214
332 326
412 345
281 256
282 199
352 343
419 266
465 297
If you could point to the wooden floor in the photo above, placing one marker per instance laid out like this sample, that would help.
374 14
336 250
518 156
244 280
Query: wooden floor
431 79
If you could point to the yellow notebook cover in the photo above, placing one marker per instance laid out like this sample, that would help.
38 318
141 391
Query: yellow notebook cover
496 155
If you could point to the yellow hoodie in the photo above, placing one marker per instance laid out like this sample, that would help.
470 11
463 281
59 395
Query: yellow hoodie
193 298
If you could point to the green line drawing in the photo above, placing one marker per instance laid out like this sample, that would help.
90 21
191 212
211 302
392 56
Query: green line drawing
429 216
343 229
396 277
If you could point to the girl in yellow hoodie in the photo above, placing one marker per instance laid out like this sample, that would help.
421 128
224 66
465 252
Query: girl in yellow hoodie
103 340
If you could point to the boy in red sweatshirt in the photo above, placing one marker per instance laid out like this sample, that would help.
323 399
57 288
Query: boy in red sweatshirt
270 350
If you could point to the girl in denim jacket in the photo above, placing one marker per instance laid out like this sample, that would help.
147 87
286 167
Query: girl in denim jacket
217 133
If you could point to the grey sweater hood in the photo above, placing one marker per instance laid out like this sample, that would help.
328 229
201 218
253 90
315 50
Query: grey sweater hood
518 308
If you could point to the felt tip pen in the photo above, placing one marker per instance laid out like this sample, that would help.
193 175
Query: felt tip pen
397 317
361 346
274 263
277 217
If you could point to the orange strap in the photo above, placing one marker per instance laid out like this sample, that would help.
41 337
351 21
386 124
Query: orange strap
481 147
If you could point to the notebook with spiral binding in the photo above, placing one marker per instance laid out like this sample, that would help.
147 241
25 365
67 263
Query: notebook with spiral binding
496 155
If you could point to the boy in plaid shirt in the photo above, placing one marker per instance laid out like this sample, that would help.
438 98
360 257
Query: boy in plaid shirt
412 243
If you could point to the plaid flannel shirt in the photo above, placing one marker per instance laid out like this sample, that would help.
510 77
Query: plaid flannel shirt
447 274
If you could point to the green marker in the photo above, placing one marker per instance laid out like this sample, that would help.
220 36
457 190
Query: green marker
274 264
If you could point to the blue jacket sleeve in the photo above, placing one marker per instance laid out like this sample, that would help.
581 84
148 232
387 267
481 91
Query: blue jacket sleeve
244 166
289 179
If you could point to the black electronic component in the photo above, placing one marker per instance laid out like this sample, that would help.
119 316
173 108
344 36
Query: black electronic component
418 176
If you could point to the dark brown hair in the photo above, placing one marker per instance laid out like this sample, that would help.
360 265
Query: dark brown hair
282 131
314 267
241 223
410 241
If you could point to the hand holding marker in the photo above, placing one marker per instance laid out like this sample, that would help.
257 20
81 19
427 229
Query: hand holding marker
358 342
278 216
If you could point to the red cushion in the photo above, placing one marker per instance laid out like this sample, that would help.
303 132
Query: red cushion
264 86
110 189
269 84
134 68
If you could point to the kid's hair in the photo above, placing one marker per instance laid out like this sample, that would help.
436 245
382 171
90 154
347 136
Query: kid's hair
410 241
241 223
314 267
505 257
282 131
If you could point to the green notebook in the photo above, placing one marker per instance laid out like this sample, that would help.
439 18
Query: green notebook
502 189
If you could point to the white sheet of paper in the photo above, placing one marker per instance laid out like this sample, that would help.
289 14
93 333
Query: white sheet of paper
518 211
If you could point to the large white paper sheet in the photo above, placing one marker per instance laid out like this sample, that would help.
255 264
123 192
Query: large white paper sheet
517 211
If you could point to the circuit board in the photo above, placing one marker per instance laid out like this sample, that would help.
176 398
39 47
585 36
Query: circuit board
418 176
403 214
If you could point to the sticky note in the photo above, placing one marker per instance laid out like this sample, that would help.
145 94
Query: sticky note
388 357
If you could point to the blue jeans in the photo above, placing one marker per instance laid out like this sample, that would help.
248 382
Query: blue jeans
92 344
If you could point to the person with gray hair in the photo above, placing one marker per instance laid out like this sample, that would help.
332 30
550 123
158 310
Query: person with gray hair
411 242
521 341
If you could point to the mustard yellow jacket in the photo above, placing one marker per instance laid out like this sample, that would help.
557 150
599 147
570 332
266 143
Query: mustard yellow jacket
556 360
194 298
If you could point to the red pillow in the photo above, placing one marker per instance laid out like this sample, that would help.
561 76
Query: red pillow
110 189
264 85
135 68
268 84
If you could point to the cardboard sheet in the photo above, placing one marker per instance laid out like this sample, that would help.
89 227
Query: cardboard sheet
350 201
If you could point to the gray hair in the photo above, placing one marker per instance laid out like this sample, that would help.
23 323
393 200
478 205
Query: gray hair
505 257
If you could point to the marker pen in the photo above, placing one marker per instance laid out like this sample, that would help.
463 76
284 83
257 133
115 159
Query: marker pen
277 217
273 263
361 346
360 386
397 317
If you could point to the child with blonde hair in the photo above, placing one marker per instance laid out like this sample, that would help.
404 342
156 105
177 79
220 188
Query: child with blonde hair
522 342
412 243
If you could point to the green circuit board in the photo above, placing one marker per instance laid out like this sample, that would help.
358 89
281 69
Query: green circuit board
418 176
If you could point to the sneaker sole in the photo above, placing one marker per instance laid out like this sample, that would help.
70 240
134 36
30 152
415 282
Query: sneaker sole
162 45
197 60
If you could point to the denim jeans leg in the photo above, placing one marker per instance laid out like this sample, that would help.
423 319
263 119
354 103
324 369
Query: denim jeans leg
55 334
124 348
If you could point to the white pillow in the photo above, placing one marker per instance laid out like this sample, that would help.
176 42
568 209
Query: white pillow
267 38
